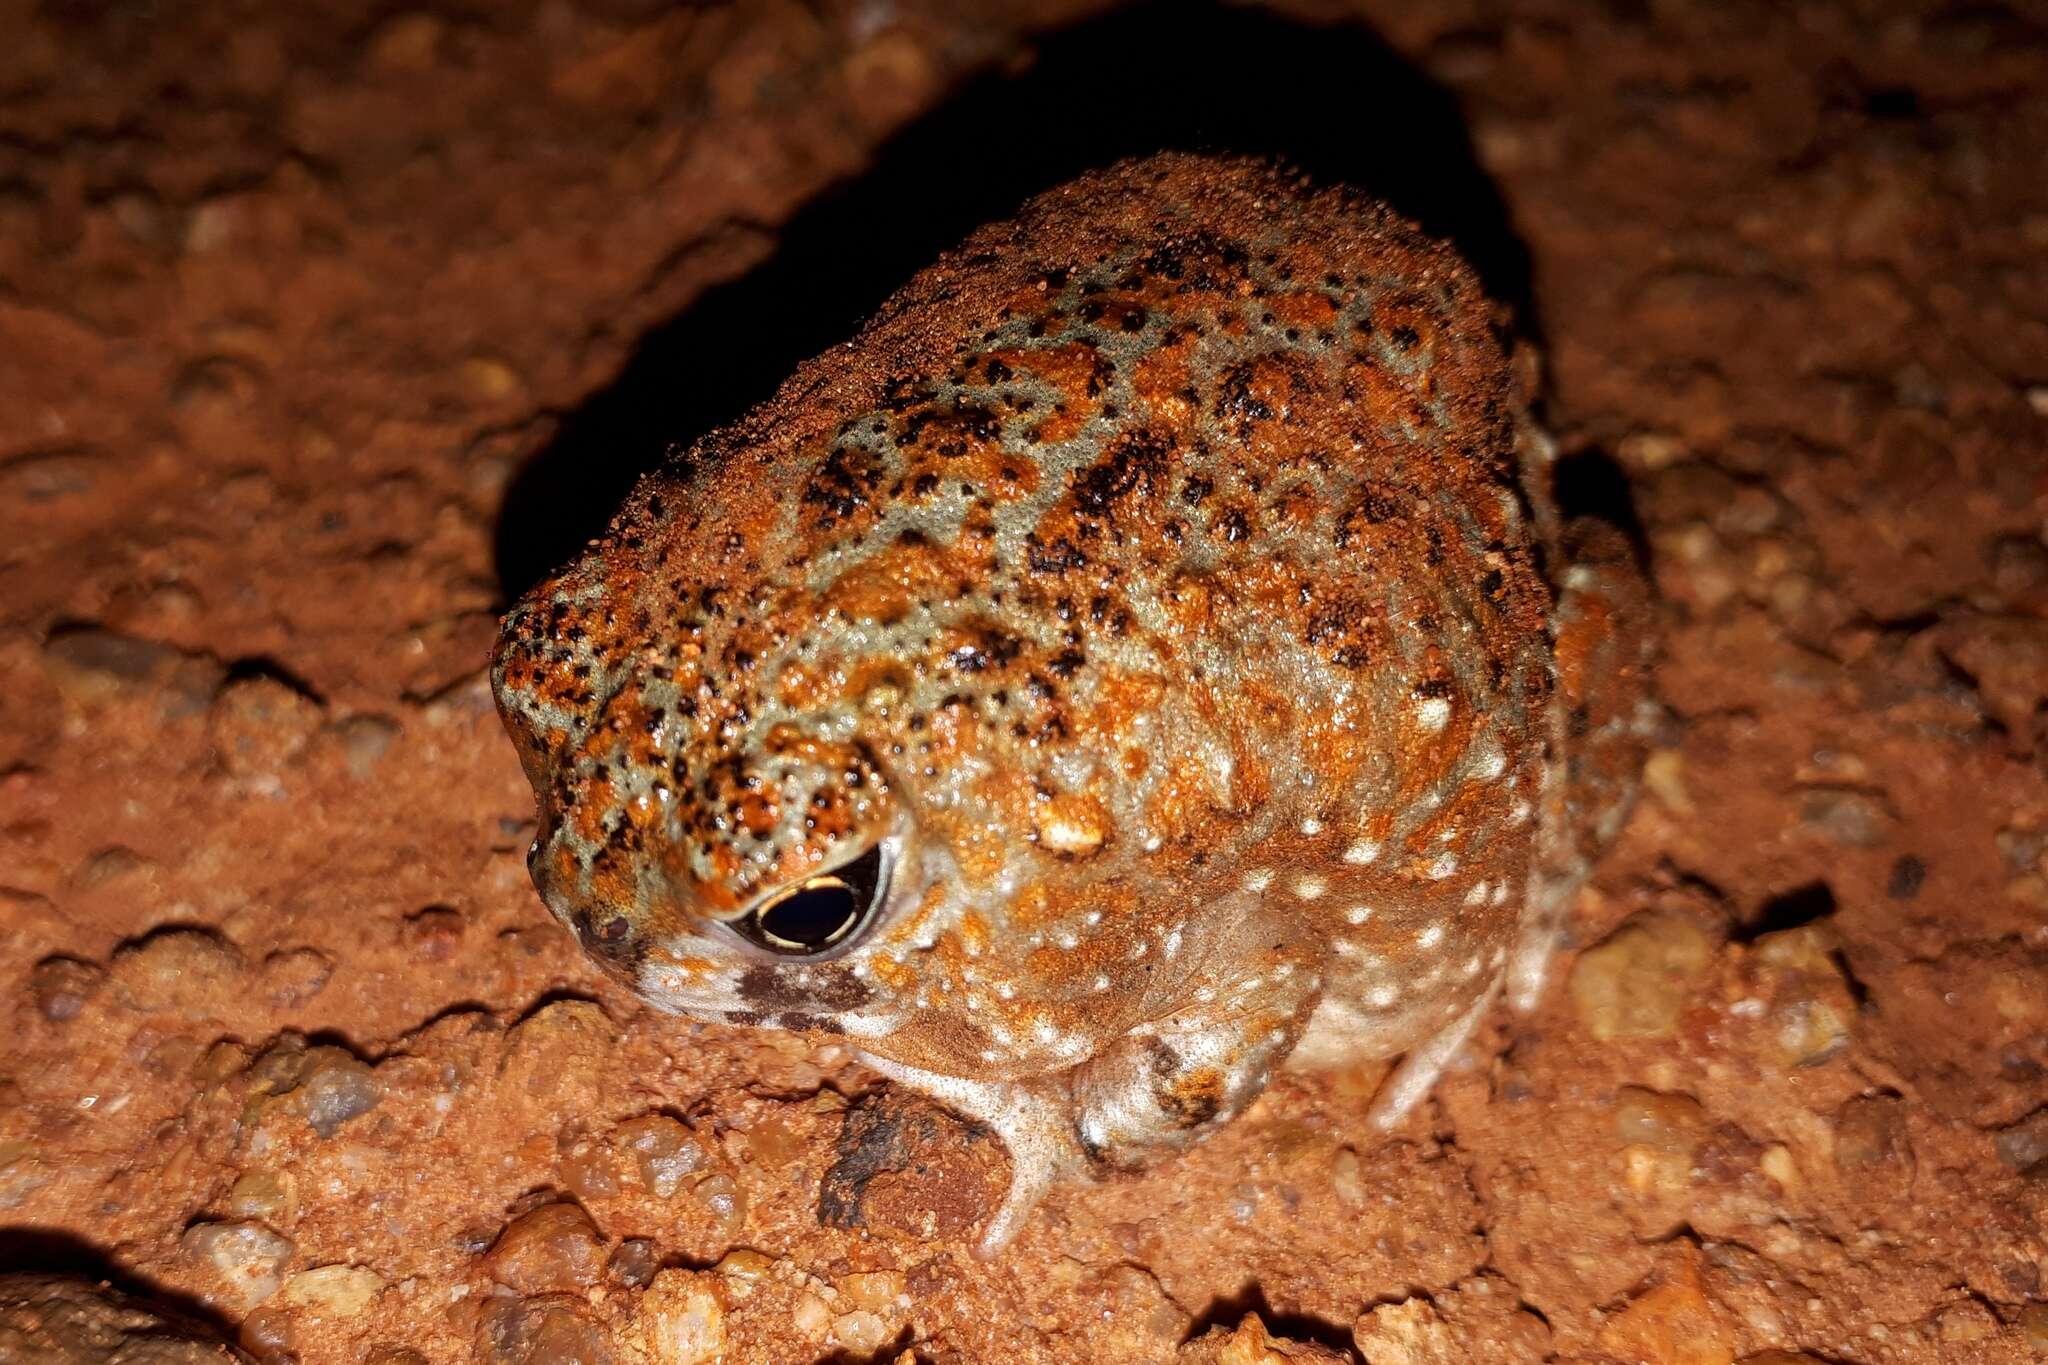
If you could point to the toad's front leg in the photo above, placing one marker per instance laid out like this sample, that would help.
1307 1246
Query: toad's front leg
1154 1089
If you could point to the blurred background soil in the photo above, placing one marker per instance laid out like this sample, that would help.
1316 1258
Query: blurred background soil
325 329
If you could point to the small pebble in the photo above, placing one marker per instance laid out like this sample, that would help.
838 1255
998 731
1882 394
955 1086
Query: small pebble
548 1331
271 1196
108 866
2024 1145
21 1172
334 1087
61 987
278 1067
1650 1118
811 1317
877 1291
721 1197
50 475
433 934
1249 1343
93 667
862 1333
1845 817
490 380
664 1150
1671 1323
1810 1008
1965 1323
1651 450
590 1169
335 1291
1347 1179
258 728
682 1319
633 1263
364 741
295 975
2034 1324
1411 1332
248 1257
185 971
552 1249
1637 982
2024 850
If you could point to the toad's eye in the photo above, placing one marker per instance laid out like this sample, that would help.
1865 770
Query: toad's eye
820 912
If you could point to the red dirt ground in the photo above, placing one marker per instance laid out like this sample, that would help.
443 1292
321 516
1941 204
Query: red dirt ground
298 305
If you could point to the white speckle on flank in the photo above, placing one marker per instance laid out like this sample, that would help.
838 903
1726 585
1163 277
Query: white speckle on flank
1500 955
1500 893
1518 813
1493 764
1344 947
1382 997
1471 967
1152 843
1172 944
1444 866
1006 990
1205 994
1311 827
1308 888
1101 983
1362 852
1432 713
1431 936
1067 939
1258 879
1283 971
1477 894
1358 914
1044 1031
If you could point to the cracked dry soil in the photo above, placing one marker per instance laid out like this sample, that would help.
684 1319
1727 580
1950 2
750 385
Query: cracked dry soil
318 333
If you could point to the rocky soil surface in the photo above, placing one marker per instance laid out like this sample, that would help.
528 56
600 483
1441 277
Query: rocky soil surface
324 329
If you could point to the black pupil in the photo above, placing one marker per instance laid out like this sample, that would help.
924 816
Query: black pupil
820 912
813 916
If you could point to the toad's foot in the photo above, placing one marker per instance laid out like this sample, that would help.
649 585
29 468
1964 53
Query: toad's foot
1418 1071
1155 1089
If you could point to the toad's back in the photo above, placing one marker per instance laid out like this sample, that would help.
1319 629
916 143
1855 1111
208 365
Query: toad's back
1158 569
